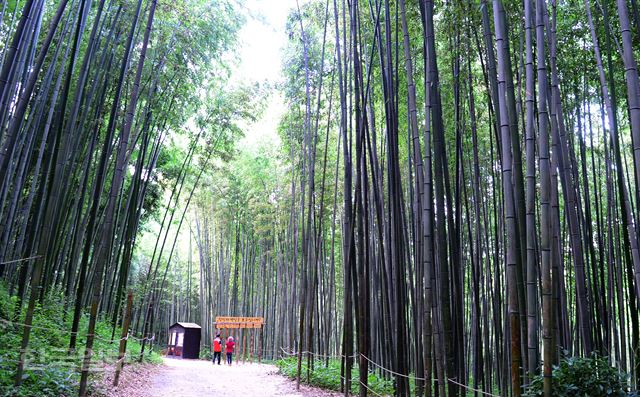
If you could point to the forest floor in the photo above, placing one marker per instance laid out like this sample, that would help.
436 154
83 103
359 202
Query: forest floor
195 378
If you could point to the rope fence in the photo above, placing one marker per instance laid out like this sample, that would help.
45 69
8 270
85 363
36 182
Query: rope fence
472 389
344 380
389 371
20 260
67 361
315 354
96 336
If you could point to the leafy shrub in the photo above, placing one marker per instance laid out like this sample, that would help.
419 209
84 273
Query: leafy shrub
206 354
41 382
578 377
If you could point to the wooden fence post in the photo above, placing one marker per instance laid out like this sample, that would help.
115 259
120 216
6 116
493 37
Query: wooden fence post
123 338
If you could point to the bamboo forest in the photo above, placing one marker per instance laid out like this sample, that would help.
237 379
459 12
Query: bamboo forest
361 197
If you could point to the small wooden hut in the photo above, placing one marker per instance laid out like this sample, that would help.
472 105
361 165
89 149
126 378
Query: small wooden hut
184 340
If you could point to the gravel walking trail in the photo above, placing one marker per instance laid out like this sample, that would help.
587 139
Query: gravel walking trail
199 378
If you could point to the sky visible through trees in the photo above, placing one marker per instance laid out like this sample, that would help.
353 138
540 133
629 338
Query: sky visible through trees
443 195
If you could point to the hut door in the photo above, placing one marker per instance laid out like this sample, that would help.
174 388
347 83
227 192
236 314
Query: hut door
179 344
172 344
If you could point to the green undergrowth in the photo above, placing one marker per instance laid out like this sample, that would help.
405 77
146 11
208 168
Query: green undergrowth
49 369
327 376
584 376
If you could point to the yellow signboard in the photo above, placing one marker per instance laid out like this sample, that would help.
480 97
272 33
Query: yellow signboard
239 322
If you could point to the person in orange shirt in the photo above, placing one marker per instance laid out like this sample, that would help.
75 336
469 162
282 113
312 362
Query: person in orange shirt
217 349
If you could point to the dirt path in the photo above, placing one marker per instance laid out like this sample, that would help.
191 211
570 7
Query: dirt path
196 378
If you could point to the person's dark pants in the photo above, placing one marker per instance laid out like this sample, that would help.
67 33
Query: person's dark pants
216 355
229 358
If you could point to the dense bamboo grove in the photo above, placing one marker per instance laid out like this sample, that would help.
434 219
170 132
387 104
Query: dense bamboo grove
455 198
93 97
451 199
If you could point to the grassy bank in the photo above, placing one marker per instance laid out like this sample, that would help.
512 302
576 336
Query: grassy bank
327 376
49 369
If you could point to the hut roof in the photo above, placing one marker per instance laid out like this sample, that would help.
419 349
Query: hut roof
186 325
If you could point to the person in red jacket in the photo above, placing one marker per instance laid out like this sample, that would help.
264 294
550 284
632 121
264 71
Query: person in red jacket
217 349
230 345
